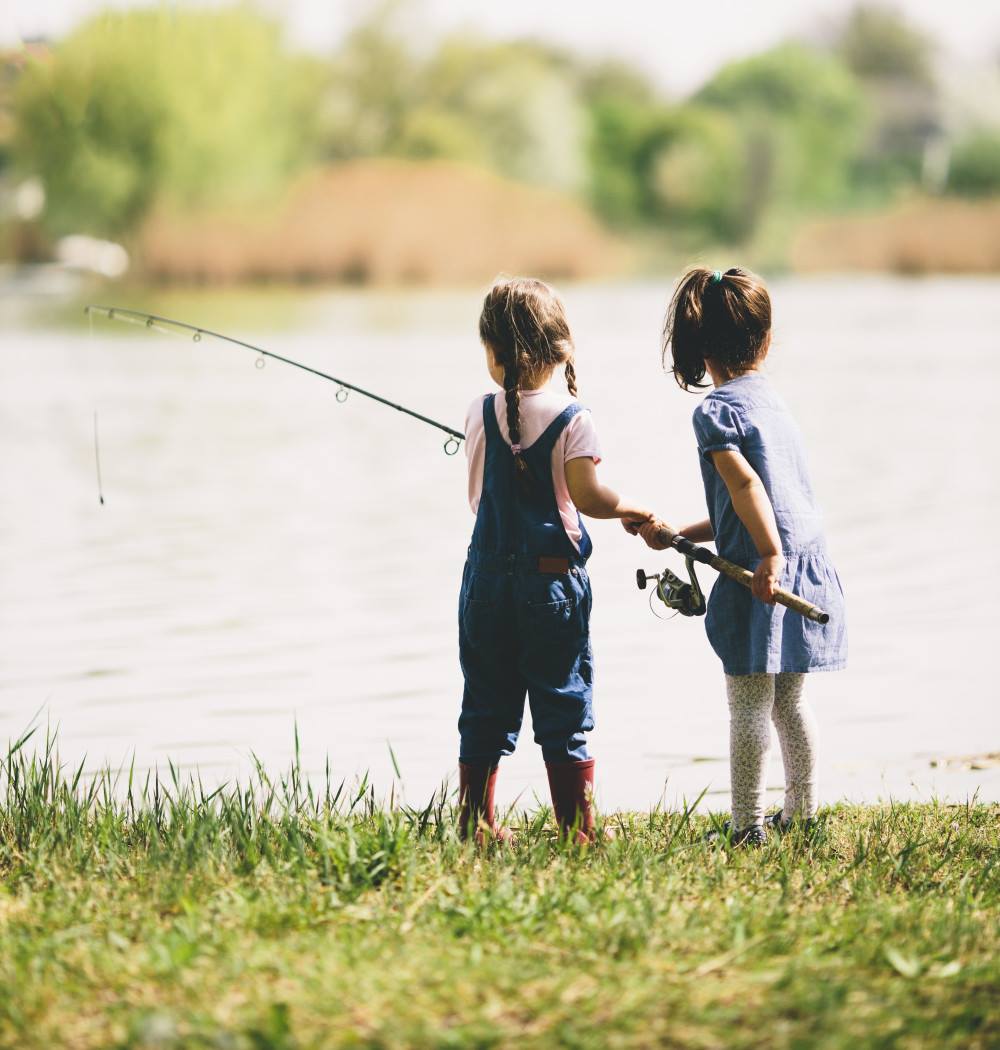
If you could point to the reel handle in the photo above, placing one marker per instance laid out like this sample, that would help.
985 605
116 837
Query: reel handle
641 578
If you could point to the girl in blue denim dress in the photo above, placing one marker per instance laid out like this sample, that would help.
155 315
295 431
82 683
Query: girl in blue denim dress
763 515
524 609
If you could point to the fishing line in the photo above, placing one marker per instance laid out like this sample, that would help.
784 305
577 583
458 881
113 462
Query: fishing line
97 461
653 595
97 445
168 325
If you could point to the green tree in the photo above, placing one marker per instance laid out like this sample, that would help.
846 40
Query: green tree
511 107
975 165
802 117
878 42
372 87
517 101
695 174
623 112
195 107
894 61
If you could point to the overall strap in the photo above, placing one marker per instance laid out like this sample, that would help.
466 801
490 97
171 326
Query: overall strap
490 424
546 443
517 520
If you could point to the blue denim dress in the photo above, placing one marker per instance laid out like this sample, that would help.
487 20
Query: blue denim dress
749 636
524 611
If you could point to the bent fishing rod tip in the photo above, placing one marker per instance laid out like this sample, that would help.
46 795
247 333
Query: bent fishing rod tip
452 443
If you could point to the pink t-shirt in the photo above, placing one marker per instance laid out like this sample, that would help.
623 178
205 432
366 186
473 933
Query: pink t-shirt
538 409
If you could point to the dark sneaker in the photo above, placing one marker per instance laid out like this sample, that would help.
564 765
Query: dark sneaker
773 822
750 837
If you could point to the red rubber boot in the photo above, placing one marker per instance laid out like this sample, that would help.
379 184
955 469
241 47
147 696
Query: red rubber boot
572 788
476 785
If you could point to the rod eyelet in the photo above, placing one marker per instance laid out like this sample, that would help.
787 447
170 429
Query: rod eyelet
451 446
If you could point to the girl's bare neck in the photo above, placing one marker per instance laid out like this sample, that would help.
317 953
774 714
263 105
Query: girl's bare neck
720 377
536 382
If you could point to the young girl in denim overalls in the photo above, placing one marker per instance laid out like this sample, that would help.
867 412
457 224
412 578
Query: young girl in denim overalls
762 515
524 611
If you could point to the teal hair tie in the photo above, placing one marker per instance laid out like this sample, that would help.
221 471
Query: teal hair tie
716 277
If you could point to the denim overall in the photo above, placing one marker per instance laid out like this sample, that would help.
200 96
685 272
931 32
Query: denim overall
524 611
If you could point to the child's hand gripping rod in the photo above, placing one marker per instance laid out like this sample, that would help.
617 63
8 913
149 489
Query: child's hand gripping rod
740 575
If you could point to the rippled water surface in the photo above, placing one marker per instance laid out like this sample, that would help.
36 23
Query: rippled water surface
268 556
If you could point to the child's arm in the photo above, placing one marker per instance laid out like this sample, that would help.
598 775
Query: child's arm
698 532
755 511
597 500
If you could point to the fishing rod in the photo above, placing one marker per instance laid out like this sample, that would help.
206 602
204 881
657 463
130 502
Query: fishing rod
687 599
155 321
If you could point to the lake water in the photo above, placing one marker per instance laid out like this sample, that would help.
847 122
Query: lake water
267 556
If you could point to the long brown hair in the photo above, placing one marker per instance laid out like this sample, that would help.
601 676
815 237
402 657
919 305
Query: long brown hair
524 324
724 317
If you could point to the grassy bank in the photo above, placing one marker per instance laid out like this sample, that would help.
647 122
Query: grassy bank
276 915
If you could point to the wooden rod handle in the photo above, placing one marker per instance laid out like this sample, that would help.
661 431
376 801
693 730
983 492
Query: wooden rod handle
781 596
741 575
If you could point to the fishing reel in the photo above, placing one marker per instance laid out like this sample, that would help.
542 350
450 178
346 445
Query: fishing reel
684 598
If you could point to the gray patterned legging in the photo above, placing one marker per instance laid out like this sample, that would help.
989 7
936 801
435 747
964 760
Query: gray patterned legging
754 700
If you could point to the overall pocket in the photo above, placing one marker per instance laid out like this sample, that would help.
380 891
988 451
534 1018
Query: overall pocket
481 607
557 606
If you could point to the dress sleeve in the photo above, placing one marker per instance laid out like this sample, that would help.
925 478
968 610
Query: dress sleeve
579 439
717 427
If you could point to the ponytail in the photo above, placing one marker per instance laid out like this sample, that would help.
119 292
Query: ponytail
724 317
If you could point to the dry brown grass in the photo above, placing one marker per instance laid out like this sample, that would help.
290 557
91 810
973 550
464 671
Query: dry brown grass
920 236
385 222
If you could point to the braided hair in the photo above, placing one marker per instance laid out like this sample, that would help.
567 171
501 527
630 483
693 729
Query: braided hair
523 322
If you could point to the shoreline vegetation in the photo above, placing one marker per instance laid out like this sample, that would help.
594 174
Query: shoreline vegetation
497 226
918 236
387 239
273 913
385 221
415 223
405 158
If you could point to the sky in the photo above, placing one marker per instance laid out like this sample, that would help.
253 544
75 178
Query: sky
678 43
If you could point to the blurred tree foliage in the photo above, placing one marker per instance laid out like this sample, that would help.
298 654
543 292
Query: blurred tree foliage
877 42
894 64
201 106
508 106
800 115
198 107
975 165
